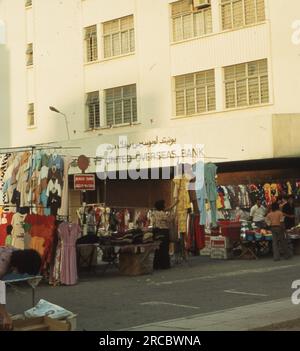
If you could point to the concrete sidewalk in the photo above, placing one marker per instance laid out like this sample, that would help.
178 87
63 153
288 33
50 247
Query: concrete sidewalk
237 319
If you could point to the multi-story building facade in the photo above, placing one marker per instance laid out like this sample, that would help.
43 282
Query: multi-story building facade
223 73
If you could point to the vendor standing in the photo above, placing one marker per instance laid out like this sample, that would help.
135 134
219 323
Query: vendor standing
289 213
258 213
161 229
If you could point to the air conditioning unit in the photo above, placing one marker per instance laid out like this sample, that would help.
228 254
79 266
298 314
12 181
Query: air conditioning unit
200 4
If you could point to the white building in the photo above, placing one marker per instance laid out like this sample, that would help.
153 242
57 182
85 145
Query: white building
225 75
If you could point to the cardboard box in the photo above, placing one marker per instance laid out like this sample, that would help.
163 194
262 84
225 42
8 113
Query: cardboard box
221 254
220 242
136 264
21 323
41 324
207 249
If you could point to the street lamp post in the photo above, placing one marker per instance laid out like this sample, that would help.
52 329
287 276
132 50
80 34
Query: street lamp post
53 109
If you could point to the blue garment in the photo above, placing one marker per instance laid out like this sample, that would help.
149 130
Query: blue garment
200 188
44 202
56 161
6 185
210 172
44 160
38 160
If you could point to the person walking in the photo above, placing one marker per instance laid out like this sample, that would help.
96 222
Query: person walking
275 220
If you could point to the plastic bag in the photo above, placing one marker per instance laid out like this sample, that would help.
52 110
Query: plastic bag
45 308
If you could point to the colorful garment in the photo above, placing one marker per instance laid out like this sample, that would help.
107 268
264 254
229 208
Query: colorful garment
68 234
181 194
18 232
38 244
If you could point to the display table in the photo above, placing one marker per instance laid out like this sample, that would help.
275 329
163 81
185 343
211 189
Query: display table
32 281
132 259
137 259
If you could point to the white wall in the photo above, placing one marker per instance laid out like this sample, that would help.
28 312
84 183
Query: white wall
4 82
61 78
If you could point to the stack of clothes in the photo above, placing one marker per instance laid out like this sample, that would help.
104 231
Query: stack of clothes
131 237
294 233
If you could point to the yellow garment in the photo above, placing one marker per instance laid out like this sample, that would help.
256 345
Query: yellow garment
219 202
267 189
275 189
37 244
290 191
181 194
207 206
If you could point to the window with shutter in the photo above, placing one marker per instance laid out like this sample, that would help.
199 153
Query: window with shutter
246 84
250 11
118 37
260 10
239 13
189 22
28 3
30 115
195 93
227 16
29 54
93 108
91 43
121 106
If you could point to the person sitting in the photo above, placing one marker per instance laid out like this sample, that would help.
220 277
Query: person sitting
18 262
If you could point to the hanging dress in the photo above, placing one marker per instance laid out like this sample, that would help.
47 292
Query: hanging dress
68 234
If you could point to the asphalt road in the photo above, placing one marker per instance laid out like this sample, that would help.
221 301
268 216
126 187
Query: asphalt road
112 302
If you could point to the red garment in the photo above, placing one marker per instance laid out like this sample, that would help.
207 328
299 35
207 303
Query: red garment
2 234
37 219
8 216
199 233
198 240
43 227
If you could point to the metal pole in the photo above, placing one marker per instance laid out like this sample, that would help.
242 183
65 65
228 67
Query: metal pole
67 125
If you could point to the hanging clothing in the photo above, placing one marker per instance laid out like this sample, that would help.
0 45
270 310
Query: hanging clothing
18 232
210 172
68 234
200 187
64 210
196 234
54 196
38 244
227 204
181 194
58 162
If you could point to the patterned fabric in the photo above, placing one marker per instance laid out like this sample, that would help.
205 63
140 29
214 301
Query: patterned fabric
181 194
161 219
68 234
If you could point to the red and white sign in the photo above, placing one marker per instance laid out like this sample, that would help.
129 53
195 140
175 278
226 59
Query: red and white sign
84 182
